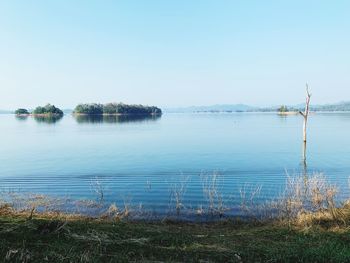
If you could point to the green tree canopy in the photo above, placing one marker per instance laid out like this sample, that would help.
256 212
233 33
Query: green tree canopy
283 108
116 108
21 112
48 109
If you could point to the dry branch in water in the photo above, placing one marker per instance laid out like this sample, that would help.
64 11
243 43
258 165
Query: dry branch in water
305 114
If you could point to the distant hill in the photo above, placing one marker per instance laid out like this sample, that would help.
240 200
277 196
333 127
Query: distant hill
341 106
6 112
214 108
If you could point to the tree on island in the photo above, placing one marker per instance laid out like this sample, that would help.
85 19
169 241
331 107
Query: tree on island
22 112
116 109
48 110
90 109
283 109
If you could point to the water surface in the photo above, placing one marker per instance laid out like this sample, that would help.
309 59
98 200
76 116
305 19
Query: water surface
142 160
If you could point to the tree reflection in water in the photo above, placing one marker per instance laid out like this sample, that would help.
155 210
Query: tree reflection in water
21 117
50 119
115 118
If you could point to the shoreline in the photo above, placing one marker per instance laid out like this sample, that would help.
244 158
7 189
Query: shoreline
40 115
316 196
173 112
22 235
116 114
289 113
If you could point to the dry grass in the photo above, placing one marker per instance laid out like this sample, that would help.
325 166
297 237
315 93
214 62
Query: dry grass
309 201
305 201
249 206
177 194
307 225
212 192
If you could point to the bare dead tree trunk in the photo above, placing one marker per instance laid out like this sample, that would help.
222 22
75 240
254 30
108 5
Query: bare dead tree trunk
304 163
305 114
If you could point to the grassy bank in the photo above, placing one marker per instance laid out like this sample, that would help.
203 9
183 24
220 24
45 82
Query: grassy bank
57 239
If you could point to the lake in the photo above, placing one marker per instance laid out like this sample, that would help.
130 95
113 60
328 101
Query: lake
145 161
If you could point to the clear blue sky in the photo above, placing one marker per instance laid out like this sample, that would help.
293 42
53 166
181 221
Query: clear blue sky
173 53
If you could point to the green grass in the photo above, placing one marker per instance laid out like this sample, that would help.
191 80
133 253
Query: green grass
48 240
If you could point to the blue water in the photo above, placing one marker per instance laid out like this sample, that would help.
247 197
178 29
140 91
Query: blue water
144 160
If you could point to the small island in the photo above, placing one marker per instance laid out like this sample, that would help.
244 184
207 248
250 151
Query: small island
284 110
48 110
116 109
22 112
45 111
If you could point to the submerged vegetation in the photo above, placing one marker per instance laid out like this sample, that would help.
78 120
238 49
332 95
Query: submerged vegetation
303 196
116 109
306 226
